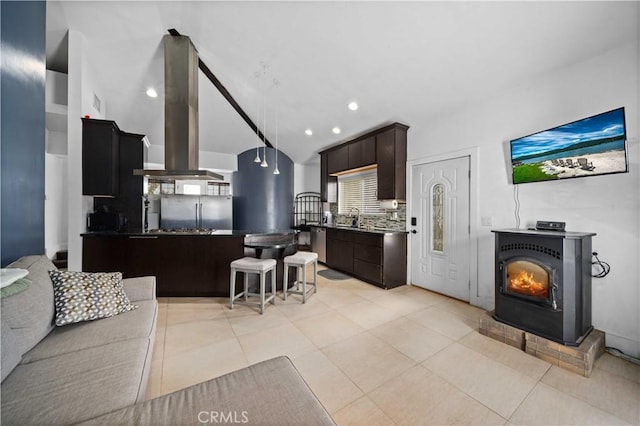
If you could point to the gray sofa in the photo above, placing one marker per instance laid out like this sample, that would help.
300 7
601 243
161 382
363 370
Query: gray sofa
95 373
65 375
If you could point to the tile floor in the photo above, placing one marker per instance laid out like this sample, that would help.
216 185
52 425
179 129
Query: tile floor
376 357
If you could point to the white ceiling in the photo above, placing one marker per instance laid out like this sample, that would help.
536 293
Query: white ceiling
405 62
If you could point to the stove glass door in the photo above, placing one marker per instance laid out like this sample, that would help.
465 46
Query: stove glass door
527 278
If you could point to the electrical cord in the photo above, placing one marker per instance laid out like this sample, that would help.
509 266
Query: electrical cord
603 267
620 354
517 201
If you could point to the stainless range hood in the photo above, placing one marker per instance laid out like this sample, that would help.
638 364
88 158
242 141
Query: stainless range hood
181 145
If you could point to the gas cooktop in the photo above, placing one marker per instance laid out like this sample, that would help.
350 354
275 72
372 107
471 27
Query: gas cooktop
182 231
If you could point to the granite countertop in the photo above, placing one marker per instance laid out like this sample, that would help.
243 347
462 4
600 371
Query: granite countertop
236 232
370 231
214 233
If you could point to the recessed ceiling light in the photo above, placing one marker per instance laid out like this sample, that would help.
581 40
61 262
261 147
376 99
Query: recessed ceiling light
353 106
308 132
151 92
336 130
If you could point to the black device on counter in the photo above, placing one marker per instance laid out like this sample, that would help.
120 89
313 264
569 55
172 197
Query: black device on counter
106 221
543 225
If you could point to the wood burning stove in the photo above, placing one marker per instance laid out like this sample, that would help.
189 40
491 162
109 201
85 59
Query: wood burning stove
543 283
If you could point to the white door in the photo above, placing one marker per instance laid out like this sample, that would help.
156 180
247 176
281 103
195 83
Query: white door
440 243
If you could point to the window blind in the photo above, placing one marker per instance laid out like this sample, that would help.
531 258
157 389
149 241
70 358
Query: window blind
359 191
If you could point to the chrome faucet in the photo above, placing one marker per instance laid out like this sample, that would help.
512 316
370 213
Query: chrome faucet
354 219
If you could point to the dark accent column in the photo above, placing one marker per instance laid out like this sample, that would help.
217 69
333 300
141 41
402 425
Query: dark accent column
23 128
262 201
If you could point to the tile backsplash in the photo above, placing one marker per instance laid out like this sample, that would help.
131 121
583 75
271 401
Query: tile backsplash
378 221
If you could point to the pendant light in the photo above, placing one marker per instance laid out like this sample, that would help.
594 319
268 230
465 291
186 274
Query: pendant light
264 136
276 171
264 121
262 88
258 76
257 159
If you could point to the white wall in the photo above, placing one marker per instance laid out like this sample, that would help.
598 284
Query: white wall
56 90
55 185
606 205
306 178
81 88
55 204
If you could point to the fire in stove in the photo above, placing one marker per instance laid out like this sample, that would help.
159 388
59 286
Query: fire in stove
527 279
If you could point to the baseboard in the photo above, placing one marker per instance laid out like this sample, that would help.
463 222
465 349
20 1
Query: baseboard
626 345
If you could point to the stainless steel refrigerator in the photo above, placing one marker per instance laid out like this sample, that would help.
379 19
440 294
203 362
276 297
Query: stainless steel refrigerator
194 211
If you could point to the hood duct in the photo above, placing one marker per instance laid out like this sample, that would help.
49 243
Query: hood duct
181 146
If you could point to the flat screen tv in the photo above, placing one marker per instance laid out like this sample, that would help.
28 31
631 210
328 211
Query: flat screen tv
592 146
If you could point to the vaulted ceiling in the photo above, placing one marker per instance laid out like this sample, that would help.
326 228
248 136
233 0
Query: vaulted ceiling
400 61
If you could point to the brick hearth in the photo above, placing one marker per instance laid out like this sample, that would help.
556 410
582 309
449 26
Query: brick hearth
578 359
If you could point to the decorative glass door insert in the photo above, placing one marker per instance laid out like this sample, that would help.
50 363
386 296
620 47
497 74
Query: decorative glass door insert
437 217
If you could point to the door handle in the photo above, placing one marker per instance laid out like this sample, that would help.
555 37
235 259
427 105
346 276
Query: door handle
413 231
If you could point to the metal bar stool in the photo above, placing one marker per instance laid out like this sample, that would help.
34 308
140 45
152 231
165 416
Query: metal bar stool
300 260
251 265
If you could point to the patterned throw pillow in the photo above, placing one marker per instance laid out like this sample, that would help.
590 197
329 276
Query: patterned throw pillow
85 296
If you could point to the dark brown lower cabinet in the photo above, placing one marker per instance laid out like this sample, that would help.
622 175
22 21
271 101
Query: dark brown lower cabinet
379 259
340 250
183 265
368 271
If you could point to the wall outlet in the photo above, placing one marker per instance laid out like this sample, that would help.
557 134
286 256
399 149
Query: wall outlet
486 220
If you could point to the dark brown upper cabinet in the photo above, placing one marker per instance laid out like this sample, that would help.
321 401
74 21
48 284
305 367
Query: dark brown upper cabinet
385 147
362 152
324 176
328 183
100 151
338 159
391 157
368 151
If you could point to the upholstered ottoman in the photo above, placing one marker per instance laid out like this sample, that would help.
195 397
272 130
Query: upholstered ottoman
270 393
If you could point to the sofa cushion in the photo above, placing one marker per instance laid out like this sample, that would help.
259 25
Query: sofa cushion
139 323
76 386
268 393
9 350
86 296
29 314
140 288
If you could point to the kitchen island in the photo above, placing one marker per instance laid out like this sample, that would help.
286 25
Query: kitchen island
184 264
